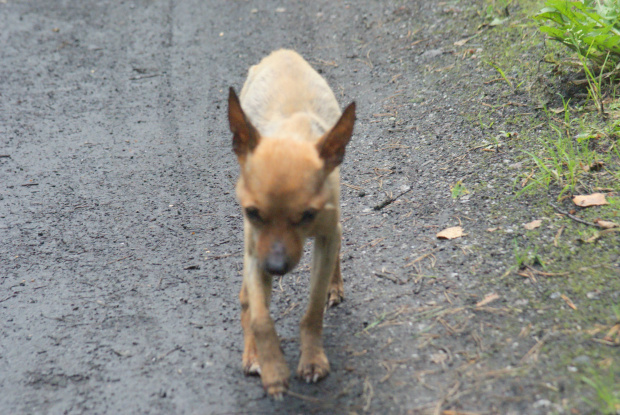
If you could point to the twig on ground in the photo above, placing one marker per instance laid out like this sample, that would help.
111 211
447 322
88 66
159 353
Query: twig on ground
368 394
215 257
302 397
371 243
568 301
464 154
191 267
547 274
169 352
557 236
352 186
388 277
573 217
9 297
421 258
533 352
391 200
137 78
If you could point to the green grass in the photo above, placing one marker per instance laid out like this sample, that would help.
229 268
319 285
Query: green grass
526 257
563 113
502 74
607 388
576 155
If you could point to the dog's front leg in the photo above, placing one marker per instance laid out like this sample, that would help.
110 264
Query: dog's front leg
313 364
262 353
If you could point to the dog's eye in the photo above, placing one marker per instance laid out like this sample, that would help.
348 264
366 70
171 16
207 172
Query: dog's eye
308 216
253 214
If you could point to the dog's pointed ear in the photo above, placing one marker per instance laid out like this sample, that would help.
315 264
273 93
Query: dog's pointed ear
245 136
331 146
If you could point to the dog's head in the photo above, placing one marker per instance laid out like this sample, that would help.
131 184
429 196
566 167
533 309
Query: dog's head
282 187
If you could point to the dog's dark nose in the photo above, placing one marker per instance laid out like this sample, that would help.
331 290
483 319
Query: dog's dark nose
277 261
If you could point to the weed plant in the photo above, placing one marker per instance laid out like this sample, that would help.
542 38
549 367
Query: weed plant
590 27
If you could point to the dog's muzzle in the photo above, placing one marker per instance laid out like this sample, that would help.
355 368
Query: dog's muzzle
277 262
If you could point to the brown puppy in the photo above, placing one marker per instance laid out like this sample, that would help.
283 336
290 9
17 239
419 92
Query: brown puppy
289 137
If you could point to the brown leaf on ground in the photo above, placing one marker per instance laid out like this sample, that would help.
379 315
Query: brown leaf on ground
492 229
612 332
489 298
462 41
595 199
439 358
451 233
606 224
597 235
594 166
533 225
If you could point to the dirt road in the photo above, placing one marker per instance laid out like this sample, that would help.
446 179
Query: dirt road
121 240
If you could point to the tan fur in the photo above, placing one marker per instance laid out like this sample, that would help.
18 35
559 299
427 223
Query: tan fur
289 136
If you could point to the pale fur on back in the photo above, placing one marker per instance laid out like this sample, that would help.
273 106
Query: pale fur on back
285 97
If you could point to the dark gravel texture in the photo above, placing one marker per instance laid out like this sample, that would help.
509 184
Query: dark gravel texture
120 253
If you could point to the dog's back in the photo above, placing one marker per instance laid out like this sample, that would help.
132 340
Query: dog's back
284 95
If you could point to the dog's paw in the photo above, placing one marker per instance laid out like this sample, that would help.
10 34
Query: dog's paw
277 389
335 296
313 369
275 379
251 367
250 361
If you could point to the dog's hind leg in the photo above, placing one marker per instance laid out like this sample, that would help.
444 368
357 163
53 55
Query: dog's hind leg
335 294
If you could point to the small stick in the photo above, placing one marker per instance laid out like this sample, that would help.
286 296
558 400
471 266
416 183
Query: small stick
462 155
421 258
137 78
161 356
117 260
391 200
9 297
190 267
393 279
547 274
573 217
302 397
557 236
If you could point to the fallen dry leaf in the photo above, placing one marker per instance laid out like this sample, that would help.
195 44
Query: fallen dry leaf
533 225
596 236
439 358
489 298
492 229
462 41
612 332
606 224
595 199
451 233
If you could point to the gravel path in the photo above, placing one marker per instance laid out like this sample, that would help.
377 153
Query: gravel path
121 238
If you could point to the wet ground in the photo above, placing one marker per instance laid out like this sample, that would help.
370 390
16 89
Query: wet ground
121 238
